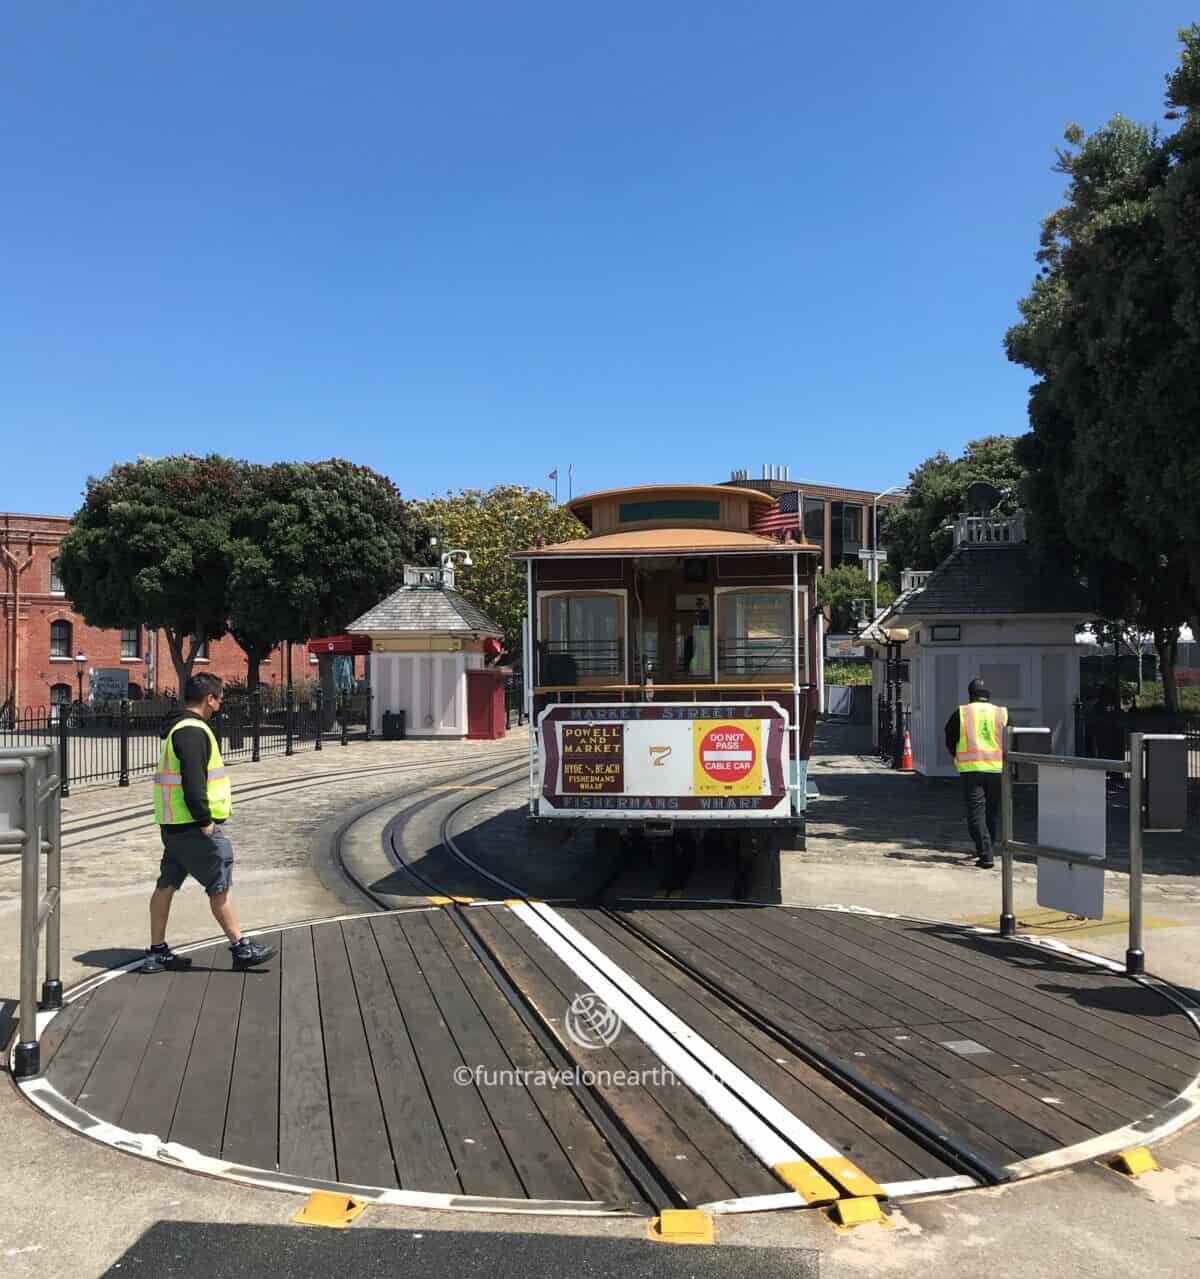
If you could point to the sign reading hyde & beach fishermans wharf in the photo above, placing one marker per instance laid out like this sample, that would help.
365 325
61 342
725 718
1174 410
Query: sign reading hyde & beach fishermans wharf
593 761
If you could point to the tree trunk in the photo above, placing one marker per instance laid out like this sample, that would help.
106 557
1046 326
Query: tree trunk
183 665
1166 644
253 662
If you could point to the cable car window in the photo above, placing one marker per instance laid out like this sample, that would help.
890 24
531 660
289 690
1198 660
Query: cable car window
583 639
755 634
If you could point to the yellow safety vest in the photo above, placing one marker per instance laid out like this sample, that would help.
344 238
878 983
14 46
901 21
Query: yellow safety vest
980 738
170 807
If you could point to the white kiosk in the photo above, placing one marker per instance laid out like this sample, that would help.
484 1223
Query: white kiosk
424 639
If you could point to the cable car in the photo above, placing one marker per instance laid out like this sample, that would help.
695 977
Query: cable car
673 667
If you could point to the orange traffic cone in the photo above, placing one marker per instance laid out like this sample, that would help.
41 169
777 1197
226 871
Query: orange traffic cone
906 761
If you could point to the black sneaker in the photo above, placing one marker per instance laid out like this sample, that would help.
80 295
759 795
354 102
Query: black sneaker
249 954
164 959
985 863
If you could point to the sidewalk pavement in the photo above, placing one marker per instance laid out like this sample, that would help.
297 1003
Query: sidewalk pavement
898 842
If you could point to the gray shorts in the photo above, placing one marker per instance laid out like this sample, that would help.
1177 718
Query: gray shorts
207 858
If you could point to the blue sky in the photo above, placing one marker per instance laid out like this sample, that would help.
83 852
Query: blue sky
467 242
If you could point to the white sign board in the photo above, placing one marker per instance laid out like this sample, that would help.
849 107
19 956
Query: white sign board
1072 815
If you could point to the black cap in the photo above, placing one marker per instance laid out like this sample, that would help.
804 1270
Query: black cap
977 690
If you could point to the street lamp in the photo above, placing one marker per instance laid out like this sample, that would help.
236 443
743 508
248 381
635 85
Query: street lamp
467 561
896 488
80 663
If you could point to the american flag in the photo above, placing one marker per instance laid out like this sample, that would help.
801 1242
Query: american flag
782 516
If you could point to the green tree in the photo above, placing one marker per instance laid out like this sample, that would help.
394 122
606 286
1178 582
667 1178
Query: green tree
315 545
151 547
1111 328
914 530
838 590
492 525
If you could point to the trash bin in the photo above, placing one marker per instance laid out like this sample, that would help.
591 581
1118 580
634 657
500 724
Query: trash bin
393 726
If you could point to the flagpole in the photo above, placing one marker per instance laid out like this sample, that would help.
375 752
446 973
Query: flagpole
570 481
556 486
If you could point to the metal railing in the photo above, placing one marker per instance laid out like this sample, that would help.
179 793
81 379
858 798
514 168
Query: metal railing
1131 767
30 811
514 698
120 741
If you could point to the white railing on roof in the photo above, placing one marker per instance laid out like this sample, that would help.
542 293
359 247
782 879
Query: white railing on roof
420 575
912 579
989 530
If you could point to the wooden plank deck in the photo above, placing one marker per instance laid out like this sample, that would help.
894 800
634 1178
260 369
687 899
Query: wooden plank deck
337 1061
1013 1051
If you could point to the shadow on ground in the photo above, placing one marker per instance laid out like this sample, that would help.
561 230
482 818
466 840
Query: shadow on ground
195 1250
906 817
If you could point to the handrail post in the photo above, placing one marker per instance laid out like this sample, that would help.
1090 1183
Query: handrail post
64 751
52 988
256 725
1135 956
1008 918
27 1058
289 718
123 770
344 708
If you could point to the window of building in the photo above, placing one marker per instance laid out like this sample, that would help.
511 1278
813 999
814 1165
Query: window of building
60 696
583 639
56 586
814 520
131 641
60 639
755 635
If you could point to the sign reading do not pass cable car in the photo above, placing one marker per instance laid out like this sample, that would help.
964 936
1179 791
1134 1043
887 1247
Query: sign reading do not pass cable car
727 757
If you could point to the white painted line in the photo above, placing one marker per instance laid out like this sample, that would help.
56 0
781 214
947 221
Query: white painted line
811 1143
755 1203
928 1186
171 1154
691 1059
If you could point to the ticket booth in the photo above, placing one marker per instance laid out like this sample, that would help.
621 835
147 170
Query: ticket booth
425 640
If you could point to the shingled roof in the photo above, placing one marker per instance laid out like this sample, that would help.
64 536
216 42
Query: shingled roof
424 610
993 579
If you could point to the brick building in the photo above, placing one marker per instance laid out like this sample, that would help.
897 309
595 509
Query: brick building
43 634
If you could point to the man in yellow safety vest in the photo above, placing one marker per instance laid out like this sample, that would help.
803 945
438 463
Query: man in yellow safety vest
192 801
975 737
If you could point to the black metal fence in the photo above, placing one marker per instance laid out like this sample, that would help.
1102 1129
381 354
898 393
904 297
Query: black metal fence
1106 736
514 699
122 740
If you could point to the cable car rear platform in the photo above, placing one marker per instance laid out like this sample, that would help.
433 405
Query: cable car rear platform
524 1056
